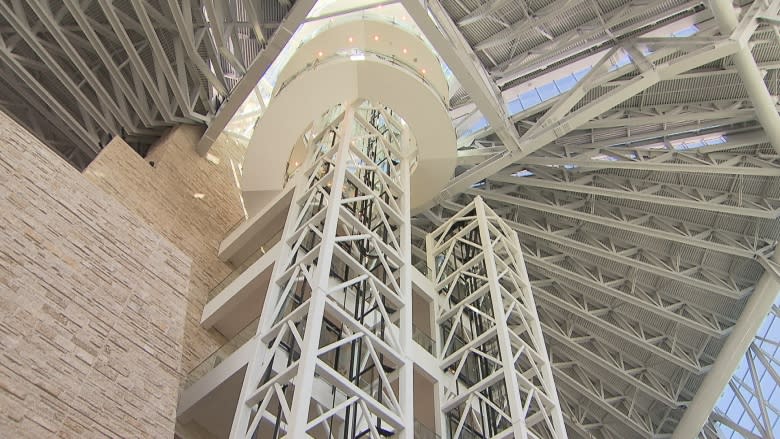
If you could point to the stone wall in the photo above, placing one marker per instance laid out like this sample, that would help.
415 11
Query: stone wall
92 305
191 201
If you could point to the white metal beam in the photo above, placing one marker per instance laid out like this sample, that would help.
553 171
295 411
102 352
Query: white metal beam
665 71
561 332
450 44
730 355
635 221
295 17
587 36
655 192
752 78
724 163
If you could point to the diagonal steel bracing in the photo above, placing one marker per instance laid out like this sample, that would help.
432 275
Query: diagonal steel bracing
130 69
622 91
443 34
332 355
734 202
643 159
497 380
752 78
632 220
571 121
631 255
752 410
563 334
626 288
661 343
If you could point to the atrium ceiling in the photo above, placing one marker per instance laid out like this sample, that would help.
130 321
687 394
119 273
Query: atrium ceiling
632 144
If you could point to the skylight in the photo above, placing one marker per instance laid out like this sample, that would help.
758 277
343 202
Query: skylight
729 405
698 142
687 32
564 83
545 92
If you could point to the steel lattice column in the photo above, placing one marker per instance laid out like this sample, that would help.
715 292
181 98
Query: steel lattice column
332 345
497 376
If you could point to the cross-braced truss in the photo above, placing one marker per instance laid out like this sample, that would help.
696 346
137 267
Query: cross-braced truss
497 379
644 191
94 69
332 352
749 407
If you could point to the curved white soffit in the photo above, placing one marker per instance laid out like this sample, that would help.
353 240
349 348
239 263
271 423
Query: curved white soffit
393 41
341 80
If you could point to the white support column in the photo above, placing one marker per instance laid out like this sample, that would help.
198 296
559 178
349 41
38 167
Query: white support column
752 78
337 326
498 380
304 379
519 428
732 353
406 380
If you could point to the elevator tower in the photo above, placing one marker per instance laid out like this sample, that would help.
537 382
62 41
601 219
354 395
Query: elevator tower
358 124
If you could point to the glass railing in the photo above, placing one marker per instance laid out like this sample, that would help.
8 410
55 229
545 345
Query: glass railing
364 54
246 263
221 353
424 340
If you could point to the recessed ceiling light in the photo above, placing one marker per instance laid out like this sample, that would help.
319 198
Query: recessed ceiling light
404 50
376 37
319 54
199 196
349 39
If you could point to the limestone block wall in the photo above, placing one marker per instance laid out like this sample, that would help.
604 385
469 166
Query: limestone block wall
165 197
93 304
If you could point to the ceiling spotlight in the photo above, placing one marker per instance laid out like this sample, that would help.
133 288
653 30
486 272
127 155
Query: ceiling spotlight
376 37
350 39
423 71
404 50
319 54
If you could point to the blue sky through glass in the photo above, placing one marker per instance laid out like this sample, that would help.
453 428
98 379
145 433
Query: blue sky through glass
768 339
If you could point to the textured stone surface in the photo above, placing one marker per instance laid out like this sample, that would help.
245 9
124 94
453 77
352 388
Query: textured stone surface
92 305
164 196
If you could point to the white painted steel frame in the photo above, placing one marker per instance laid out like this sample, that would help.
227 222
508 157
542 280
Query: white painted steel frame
652 69
322 232
736 345
497 379
753 411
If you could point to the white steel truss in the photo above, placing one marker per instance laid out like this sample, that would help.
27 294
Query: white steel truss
604 90
333 343
737 202
95 69
636 249
632 220
749 406
497 380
